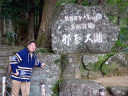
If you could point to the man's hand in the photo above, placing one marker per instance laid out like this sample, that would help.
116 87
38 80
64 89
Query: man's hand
17 73
42 65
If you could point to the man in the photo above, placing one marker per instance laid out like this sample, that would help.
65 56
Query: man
22 64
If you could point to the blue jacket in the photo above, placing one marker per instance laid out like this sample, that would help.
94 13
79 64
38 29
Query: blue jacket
23 63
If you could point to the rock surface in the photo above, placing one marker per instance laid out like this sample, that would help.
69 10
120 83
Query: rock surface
117 64
70 66
89 60
78 29
49 75
119 91
79 87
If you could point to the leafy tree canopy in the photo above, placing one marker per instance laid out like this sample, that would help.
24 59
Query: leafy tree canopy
16 10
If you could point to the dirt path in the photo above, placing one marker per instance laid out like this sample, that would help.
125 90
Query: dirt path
113 81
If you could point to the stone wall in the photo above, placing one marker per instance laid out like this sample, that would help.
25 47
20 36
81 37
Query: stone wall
94 66
49 75
73 69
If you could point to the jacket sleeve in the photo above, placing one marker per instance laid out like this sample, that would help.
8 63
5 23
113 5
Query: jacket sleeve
37 63
14 61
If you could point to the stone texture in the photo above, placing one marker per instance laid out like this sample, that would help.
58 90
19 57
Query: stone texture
94 75
78 29
70 66
49 75
123 58
6 51
117 64
79 87
89 60
4 61
119 91
0 32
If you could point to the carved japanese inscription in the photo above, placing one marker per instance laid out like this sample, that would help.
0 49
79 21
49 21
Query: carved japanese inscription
78 29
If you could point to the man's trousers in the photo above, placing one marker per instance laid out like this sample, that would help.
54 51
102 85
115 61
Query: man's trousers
17 85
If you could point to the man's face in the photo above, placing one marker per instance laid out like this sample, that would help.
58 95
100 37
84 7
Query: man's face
31 47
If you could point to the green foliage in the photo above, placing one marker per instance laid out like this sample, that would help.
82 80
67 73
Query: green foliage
118 2
112 18
41 51
101 61
105 69
56 61
0 2
16 10
13 10
85 3
59 2
116 68
63 62
10 38
122 42
55 89
113 68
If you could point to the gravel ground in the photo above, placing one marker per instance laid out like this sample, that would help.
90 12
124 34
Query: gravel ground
113 81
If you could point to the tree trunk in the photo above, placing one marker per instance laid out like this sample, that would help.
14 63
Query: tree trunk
31 22
90 2
3 36
44 34
79 2
22 32
38 20
118 20
31 27
40 12
101 2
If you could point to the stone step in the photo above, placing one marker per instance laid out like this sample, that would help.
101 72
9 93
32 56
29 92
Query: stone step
9 50
4 59
3 71
4 47
5 52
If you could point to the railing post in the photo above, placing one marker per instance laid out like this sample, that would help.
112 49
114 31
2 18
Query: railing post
9 69
102 92
43 89
4 86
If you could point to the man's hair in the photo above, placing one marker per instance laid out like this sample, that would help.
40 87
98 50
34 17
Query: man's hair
32 42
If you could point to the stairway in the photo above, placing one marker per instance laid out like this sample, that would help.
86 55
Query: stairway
5 52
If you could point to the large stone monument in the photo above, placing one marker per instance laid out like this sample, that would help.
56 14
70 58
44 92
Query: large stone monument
78 29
